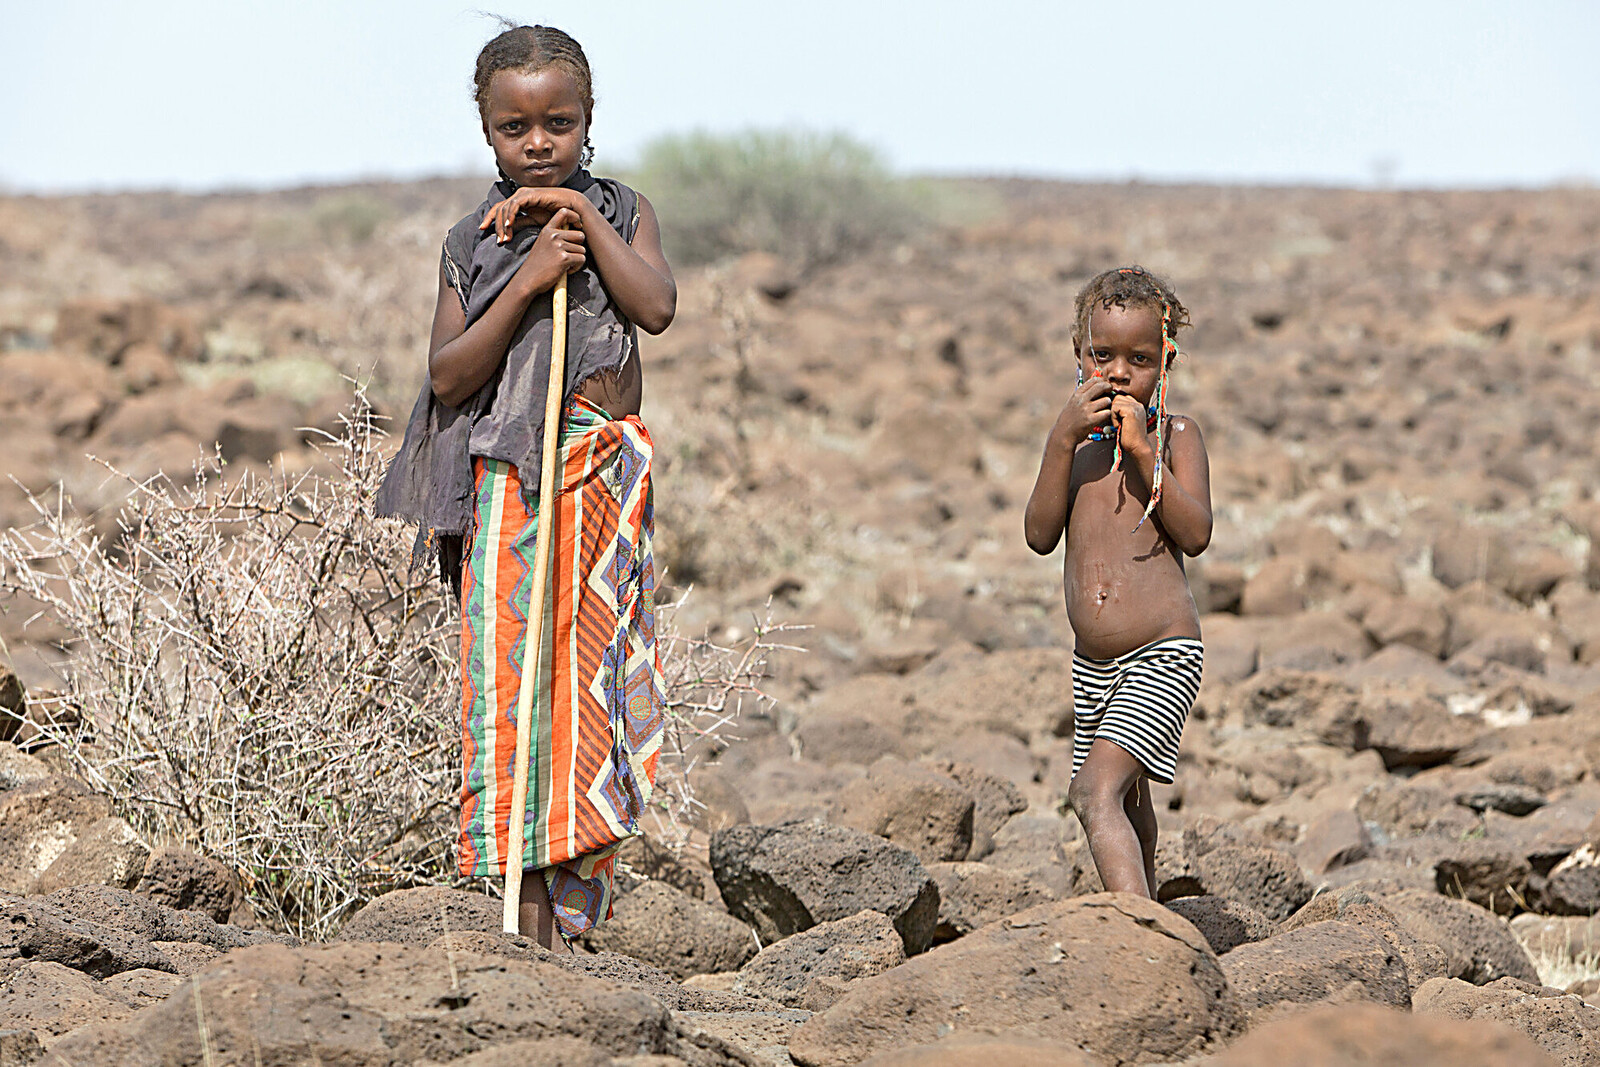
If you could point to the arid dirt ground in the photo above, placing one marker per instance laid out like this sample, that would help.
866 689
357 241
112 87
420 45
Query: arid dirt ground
1400 393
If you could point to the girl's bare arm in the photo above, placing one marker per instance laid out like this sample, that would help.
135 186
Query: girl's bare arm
636 275
461 357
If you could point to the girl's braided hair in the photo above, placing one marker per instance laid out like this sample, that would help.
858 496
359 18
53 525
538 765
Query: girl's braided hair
1126 287
533 48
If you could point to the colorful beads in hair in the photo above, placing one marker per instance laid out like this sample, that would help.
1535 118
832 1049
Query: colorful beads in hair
1157 420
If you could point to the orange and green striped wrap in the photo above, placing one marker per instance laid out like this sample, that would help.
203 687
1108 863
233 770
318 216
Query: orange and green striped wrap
598 702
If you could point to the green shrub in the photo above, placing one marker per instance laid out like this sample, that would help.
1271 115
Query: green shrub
810 198
352 216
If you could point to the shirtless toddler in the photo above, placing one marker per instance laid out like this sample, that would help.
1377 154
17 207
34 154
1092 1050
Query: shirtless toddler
1130 486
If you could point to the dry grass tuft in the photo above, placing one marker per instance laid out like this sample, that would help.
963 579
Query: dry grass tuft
1557 964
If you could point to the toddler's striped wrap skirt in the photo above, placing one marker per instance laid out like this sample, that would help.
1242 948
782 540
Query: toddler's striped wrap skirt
1139 700
598 701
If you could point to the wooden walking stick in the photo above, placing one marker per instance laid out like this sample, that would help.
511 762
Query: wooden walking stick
541 577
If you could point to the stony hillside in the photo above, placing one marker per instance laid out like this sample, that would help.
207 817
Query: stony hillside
1389 793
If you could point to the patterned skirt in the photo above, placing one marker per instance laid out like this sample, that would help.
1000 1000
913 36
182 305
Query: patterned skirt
598 702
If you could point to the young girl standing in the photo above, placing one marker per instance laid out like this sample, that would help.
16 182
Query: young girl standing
468 475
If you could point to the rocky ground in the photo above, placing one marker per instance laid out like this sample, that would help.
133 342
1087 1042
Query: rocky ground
1383 844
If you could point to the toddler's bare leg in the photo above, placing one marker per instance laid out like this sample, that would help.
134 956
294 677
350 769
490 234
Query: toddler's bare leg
535 917
1098 794
1141 813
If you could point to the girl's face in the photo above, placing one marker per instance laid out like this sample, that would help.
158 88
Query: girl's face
1126 349
535 123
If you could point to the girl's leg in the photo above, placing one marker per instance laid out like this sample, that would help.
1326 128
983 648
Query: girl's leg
1141 813
535 917
1098 794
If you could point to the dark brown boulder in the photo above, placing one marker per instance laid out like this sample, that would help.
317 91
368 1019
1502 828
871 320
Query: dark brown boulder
376 1004
1267 879
38 930
975 894
1564 1026
912 805
132 913
1225 924
995 801
787 878
1572 887
1422 959
810 969
51 999
188 881
1491 874
417 916
42 817
672 930
1479 947
611 967
1324 961
1371 1035
1117 976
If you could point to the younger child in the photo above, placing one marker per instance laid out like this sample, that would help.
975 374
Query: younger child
468 475
1130 486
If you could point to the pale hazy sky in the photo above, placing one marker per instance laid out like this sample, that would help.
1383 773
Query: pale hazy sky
104 95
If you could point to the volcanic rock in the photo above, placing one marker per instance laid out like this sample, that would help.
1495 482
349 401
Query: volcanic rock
995 801
1564 1026
1355 907
376 1004
129 912
1367 1035
792 970
975 894
1225 924
1479 947
673 931
1333 839
1323 961
35 930
911 805
51 999
42 818
417 916
787 878
106 852
187 881
1267 879
1116 975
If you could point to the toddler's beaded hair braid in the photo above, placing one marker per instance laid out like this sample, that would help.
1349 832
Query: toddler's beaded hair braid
1137 286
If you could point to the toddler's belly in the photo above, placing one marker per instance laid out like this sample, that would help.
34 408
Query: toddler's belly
1114 610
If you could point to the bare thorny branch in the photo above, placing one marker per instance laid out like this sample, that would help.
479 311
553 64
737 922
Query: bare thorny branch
257 673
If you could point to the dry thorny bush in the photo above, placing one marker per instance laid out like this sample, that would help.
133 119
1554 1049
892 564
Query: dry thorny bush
258 673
